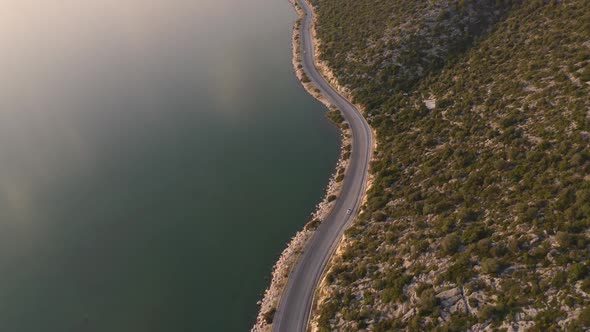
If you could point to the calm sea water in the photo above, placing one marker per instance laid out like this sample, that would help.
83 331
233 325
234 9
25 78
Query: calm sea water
155 157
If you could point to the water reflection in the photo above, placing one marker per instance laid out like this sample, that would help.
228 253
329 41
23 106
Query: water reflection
144 147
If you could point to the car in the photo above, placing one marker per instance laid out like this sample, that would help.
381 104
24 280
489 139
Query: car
349 211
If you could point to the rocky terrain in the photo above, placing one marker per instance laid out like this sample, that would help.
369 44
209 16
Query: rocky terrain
478 217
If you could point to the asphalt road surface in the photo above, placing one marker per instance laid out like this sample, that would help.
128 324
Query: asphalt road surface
294 308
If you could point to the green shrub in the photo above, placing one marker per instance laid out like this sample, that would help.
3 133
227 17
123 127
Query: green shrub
313 224
427 302
379 216
459 272
269 315
547 320
491 265
395 281
577 271
584 317
451 243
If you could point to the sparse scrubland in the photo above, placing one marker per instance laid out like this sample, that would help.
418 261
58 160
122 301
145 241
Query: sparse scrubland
478 216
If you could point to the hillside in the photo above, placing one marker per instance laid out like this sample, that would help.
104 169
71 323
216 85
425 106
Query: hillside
479 213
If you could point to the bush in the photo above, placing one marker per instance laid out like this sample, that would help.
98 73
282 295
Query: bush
475 232
450 244
395 281
485 312
547 320
335 116
494 312
457 322
585 75
491 265
577 271
313 224
563 239
584 317
269 315
559 279
427 302
459 272
379 216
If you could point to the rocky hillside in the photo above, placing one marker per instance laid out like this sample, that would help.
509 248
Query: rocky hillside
479 215
382 47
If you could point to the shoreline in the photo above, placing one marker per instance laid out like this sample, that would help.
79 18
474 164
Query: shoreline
288 257
325 70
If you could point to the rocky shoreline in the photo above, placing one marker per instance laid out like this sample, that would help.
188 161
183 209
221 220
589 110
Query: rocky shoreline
289 256
321 294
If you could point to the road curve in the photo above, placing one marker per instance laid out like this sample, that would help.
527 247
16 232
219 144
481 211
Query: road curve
294 308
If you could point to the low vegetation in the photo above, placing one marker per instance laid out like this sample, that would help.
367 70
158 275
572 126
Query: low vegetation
479 213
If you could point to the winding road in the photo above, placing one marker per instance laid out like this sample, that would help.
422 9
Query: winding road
294 307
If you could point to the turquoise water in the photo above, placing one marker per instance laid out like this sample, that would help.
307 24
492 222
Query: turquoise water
155 158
